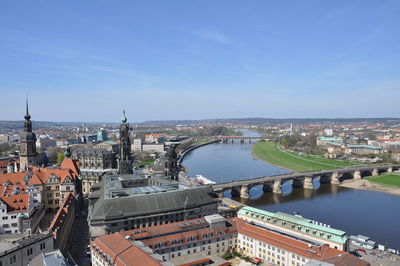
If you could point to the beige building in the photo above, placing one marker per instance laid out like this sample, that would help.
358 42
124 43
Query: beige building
297 225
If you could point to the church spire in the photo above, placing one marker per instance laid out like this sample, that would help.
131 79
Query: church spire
123 119
27 116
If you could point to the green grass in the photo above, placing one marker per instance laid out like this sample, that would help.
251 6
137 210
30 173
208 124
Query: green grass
145 163
269 152
386 179
325 160
201 141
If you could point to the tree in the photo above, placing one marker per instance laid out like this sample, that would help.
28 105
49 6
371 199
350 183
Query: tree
284 142
60 157
52 154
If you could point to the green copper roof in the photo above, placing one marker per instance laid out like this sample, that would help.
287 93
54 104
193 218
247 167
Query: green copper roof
296 223
365 146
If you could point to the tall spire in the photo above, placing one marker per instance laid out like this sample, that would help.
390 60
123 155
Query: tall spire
27 116
124 119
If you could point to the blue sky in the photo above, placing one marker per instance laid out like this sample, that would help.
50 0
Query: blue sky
87 60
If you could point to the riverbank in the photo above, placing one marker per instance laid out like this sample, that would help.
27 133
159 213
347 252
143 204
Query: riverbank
365 184
270 153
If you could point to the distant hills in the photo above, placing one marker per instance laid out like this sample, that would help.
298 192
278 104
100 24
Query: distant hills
226 121
258 121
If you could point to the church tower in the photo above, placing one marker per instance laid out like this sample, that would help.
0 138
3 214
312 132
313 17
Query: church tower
125 159
28 152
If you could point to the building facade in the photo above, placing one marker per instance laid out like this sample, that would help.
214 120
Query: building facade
19 250
297 225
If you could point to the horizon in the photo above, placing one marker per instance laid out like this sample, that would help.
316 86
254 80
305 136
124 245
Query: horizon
328 119
177 60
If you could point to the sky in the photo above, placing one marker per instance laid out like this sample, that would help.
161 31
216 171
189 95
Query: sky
162 60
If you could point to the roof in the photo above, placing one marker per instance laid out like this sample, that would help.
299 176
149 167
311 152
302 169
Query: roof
58 219
346 259
144 204
13 178
16 203
71 164
338 236
163 196
287 243
41 175
194 229
122 251
50 258
365 147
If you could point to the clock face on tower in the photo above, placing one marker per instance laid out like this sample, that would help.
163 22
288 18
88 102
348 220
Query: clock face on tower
23 147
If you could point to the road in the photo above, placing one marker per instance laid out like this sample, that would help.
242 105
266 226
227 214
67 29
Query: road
79 238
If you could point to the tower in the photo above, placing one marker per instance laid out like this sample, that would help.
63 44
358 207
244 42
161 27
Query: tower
28 152
171 163
125 159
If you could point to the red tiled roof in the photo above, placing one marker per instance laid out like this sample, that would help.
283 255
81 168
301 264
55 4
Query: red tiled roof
121 251
13 178
43 174
7 190
346 259
175 232
71 164
58 219
16 203
286 243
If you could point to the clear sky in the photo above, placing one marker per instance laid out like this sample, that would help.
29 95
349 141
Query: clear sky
87 60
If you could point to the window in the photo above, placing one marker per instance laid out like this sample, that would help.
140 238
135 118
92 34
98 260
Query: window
50 201
5 217
29 251
13 259
14 217
42 246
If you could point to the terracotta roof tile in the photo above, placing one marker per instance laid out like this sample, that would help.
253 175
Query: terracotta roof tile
122 251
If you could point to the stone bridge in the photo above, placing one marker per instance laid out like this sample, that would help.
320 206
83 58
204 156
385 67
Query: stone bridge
242 139
305 179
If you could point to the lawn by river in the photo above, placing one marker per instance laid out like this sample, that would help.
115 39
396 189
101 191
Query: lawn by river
268 151
386 179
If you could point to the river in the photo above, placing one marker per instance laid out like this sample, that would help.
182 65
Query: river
374 214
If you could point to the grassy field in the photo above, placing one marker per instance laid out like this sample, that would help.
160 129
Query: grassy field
201 141
269 152
145 163
386 179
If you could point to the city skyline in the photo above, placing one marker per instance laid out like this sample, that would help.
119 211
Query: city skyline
176 61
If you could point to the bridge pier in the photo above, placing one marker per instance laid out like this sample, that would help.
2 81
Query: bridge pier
357 174
277 187
244 192
220 194
375 172
308 183
241 141
335 178
249 140
390 170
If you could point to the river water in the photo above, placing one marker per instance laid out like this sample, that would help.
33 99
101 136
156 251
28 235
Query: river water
374 214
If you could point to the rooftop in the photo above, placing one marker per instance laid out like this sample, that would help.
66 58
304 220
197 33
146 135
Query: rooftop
297 220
